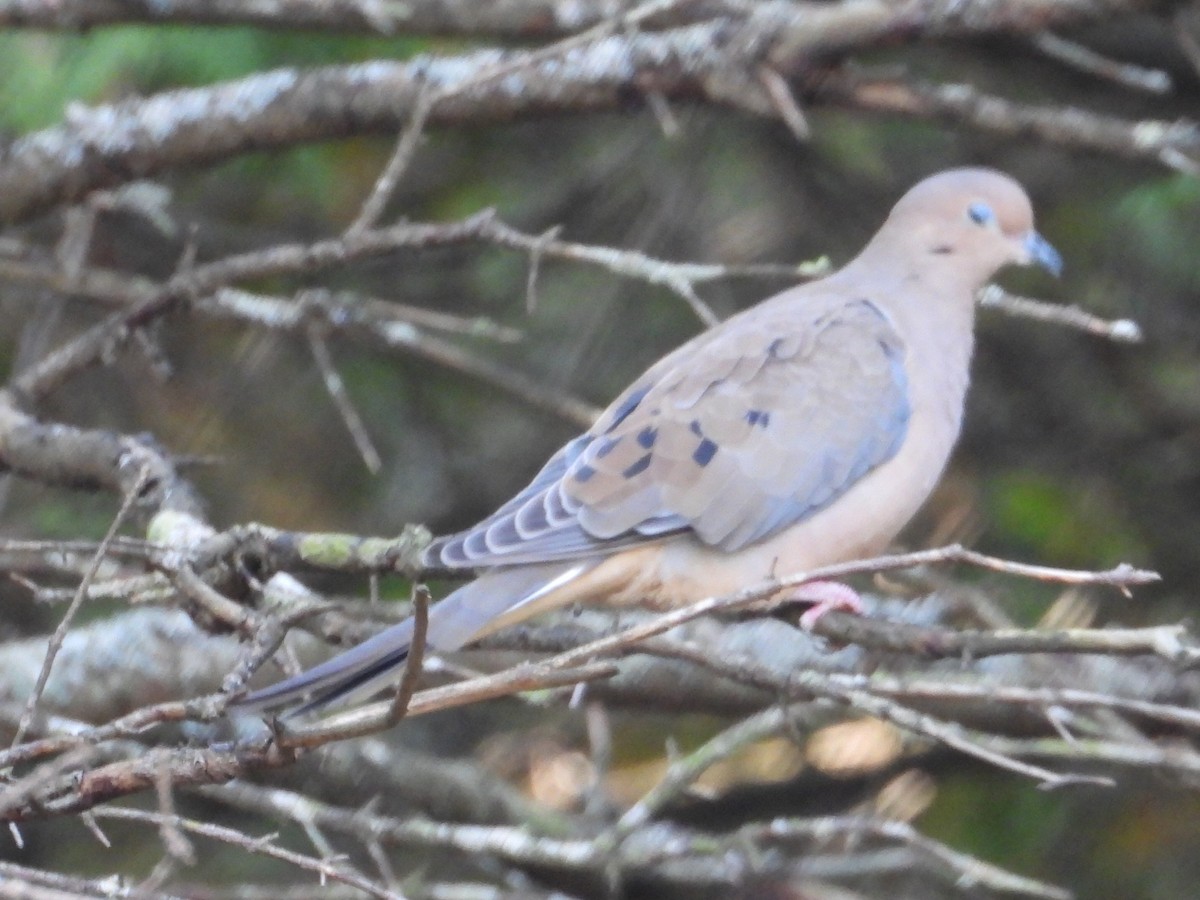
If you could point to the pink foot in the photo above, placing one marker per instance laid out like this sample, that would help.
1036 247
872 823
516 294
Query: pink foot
826 596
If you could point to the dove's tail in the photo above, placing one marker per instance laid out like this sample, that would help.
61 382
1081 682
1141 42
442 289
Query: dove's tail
491 601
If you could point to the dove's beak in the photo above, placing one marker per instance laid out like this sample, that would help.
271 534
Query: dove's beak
1039 252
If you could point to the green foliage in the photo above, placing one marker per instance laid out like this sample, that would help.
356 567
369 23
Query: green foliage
1162 218
469 197
1016 828
860 148
1055 520
69 516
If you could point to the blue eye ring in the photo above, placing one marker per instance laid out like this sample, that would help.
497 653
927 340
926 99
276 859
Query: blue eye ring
980 213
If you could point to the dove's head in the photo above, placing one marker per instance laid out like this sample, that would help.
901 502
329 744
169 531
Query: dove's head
969 223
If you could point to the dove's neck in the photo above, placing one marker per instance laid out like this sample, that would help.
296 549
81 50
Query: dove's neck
933 308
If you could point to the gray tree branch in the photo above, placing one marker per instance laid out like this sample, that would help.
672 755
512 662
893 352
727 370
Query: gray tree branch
714 60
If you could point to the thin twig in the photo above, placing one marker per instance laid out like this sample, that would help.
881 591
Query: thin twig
668 122
597 69
1175 145
969 870
416 656
1033 697
20 793
642 853
80 734
1185 22
1085 59
370 716
228 612
336 388
62 886
685 770
60 632
374 717
785 102
406 145
264 846
205 281
173 839
535 267
966 741
1122 330
1172 643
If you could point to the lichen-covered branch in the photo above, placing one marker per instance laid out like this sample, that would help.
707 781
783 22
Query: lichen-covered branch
498 18
714 60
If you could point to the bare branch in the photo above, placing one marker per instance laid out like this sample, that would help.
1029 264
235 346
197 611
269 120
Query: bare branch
1121 330
56 640
385 184
374 715
339 871
336 388
971 743
295 259
712 59
704 860
147 301
1170 642
1172 144
218 608
498 18
89 458
39 884
683 772
932 689
967 870
785 102
1154 81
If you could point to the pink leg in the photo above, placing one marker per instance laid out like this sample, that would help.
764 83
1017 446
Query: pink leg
825 596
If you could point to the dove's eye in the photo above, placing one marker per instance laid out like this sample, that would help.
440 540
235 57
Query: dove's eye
980 213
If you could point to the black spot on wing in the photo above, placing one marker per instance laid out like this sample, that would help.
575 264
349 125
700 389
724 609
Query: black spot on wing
625 409
705 452
584 473
758 417
637 468
695 428
606 446
647 436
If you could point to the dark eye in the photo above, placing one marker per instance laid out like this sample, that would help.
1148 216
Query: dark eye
980 213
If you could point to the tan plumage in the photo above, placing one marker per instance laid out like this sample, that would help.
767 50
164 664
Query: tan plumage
804 431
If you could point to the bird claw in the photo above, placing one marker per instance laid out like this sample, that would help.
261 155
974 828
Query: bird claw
825 597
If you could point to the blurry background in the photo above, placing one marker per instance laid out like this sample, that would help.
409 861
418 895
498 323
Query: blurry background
1078 452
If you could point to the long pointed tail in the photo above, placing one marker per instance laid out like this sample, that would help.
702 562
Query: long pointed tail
496 598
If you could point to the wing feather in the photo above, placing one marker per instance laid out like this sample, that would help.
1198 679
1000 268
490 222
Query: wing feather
740 433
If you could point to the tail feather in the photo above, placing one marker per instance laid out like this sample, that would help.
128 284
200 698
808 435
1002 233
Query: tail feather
475 609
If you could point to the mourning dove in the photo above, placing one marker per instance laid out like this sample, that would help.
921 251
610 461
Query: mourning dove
802 432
